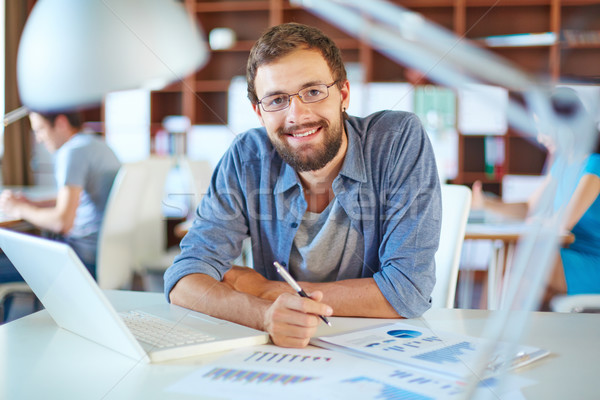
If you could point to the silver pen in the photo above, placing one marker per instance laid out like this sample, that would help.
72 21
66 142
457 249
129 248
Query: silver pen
292 282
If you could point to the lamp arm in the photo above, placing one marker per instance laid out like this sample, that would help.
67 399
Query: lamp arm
15 115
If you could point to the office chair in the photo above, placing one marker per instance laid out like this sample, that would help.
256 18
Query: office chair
456 202
150 237
115 258
133 234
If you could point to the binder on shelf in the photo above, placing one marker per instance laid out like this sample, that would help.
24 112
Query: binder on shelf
494 157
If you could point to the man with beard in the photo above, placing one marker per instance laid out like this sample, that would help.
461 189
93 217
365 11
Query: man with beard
350 206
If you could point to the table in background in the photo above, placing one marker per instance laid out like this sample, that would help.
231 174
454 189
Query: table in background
39 360
8 221
504 237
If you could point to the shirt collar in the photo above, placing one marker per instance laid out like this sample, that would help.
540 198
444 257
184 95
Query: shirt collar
288 178
354 162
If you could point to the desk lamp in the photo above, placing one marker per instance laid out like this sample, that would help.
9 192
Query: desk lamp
409 39
73 52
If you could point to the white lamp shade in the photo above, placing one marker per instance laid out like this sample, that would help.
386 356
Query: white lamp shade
73 52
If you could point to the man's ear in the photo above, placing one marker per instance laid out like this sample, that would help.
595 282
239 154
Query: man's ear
345 92
258 111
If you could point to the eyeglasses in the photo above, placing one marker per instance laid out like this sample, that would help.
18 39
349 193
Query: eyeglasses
281 101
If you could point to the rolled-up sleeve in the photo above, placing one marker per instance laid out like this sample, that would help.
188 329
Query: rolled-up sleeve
410 221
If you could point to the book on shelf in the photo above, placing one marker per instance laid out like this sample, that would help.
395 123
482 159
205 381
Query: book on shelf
494 156
578 37
519 40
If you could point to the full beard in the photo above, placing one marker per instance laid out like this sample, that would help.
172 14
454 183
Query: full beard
308 158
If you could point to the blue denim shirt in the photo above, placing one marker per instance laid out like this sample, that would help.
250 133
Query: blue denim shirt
388 185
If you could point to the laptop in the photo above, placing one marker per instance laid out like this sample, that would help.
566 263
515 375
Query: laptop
76 303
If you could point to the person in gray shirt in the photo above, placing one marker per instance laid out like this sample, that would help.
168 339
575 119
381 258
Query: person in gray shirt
84 171
350 206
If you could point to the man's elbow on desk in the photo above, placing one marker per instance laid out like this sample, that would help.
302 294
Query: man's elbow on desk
190 289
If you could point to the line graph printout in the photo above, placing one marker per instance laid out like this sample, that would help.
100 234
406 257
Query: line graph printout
440 352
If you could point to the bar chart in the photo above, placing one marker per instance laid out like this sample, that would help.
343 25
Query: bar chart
269 357
253 377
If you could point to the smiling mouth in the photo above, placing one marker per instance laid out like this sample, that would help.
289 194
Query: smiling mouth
304 134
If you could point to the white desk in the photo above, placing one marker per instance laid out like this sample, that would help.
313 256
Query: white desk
41 361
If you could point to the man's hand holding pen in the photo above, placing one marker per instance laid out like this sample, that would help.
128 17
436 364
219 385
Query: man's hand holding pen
291 320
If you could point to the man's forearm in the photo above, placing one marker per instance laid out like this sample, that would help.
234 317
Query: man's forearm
45 218
349 298
354 298
204 294
514 210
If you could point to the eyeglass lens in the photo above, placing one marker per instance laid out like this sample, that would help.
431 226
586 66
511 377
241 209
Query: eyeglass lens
310 94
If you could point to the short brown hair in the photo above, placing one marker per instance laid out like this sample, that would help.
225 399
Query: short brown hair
75 118
283 39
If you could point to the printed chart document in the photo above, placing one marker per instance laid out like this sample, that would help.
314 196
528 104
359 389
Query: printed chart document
265 372
443 353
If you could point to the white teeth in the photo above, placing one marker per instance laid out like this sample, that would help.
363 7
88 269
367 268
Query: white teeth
305 133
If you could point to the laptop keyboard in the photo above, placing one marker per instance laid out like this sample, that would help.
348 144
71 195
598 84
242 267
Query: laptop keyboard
160 332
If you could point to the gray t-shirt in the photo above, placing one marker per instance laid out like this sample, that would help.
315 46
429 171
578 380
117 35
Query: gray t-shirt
326 248
86 161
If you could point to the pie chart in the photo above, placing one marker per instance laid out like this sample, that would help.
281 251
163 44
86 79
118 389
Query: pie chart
404 334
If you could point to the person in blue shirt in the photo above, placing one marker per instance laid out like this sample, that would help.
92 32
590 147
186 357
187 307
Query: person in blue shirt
577 268
350 206
580 272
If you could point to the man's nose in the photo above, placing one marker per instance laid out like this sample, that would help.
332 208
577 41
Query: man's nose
296 109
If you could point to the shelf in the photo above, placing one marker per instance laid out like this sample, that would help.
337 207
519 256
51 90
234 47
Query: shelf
172 88
507 3
231 6
579 2
240 45
580 46
479 176
223 66
212 86
426 3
